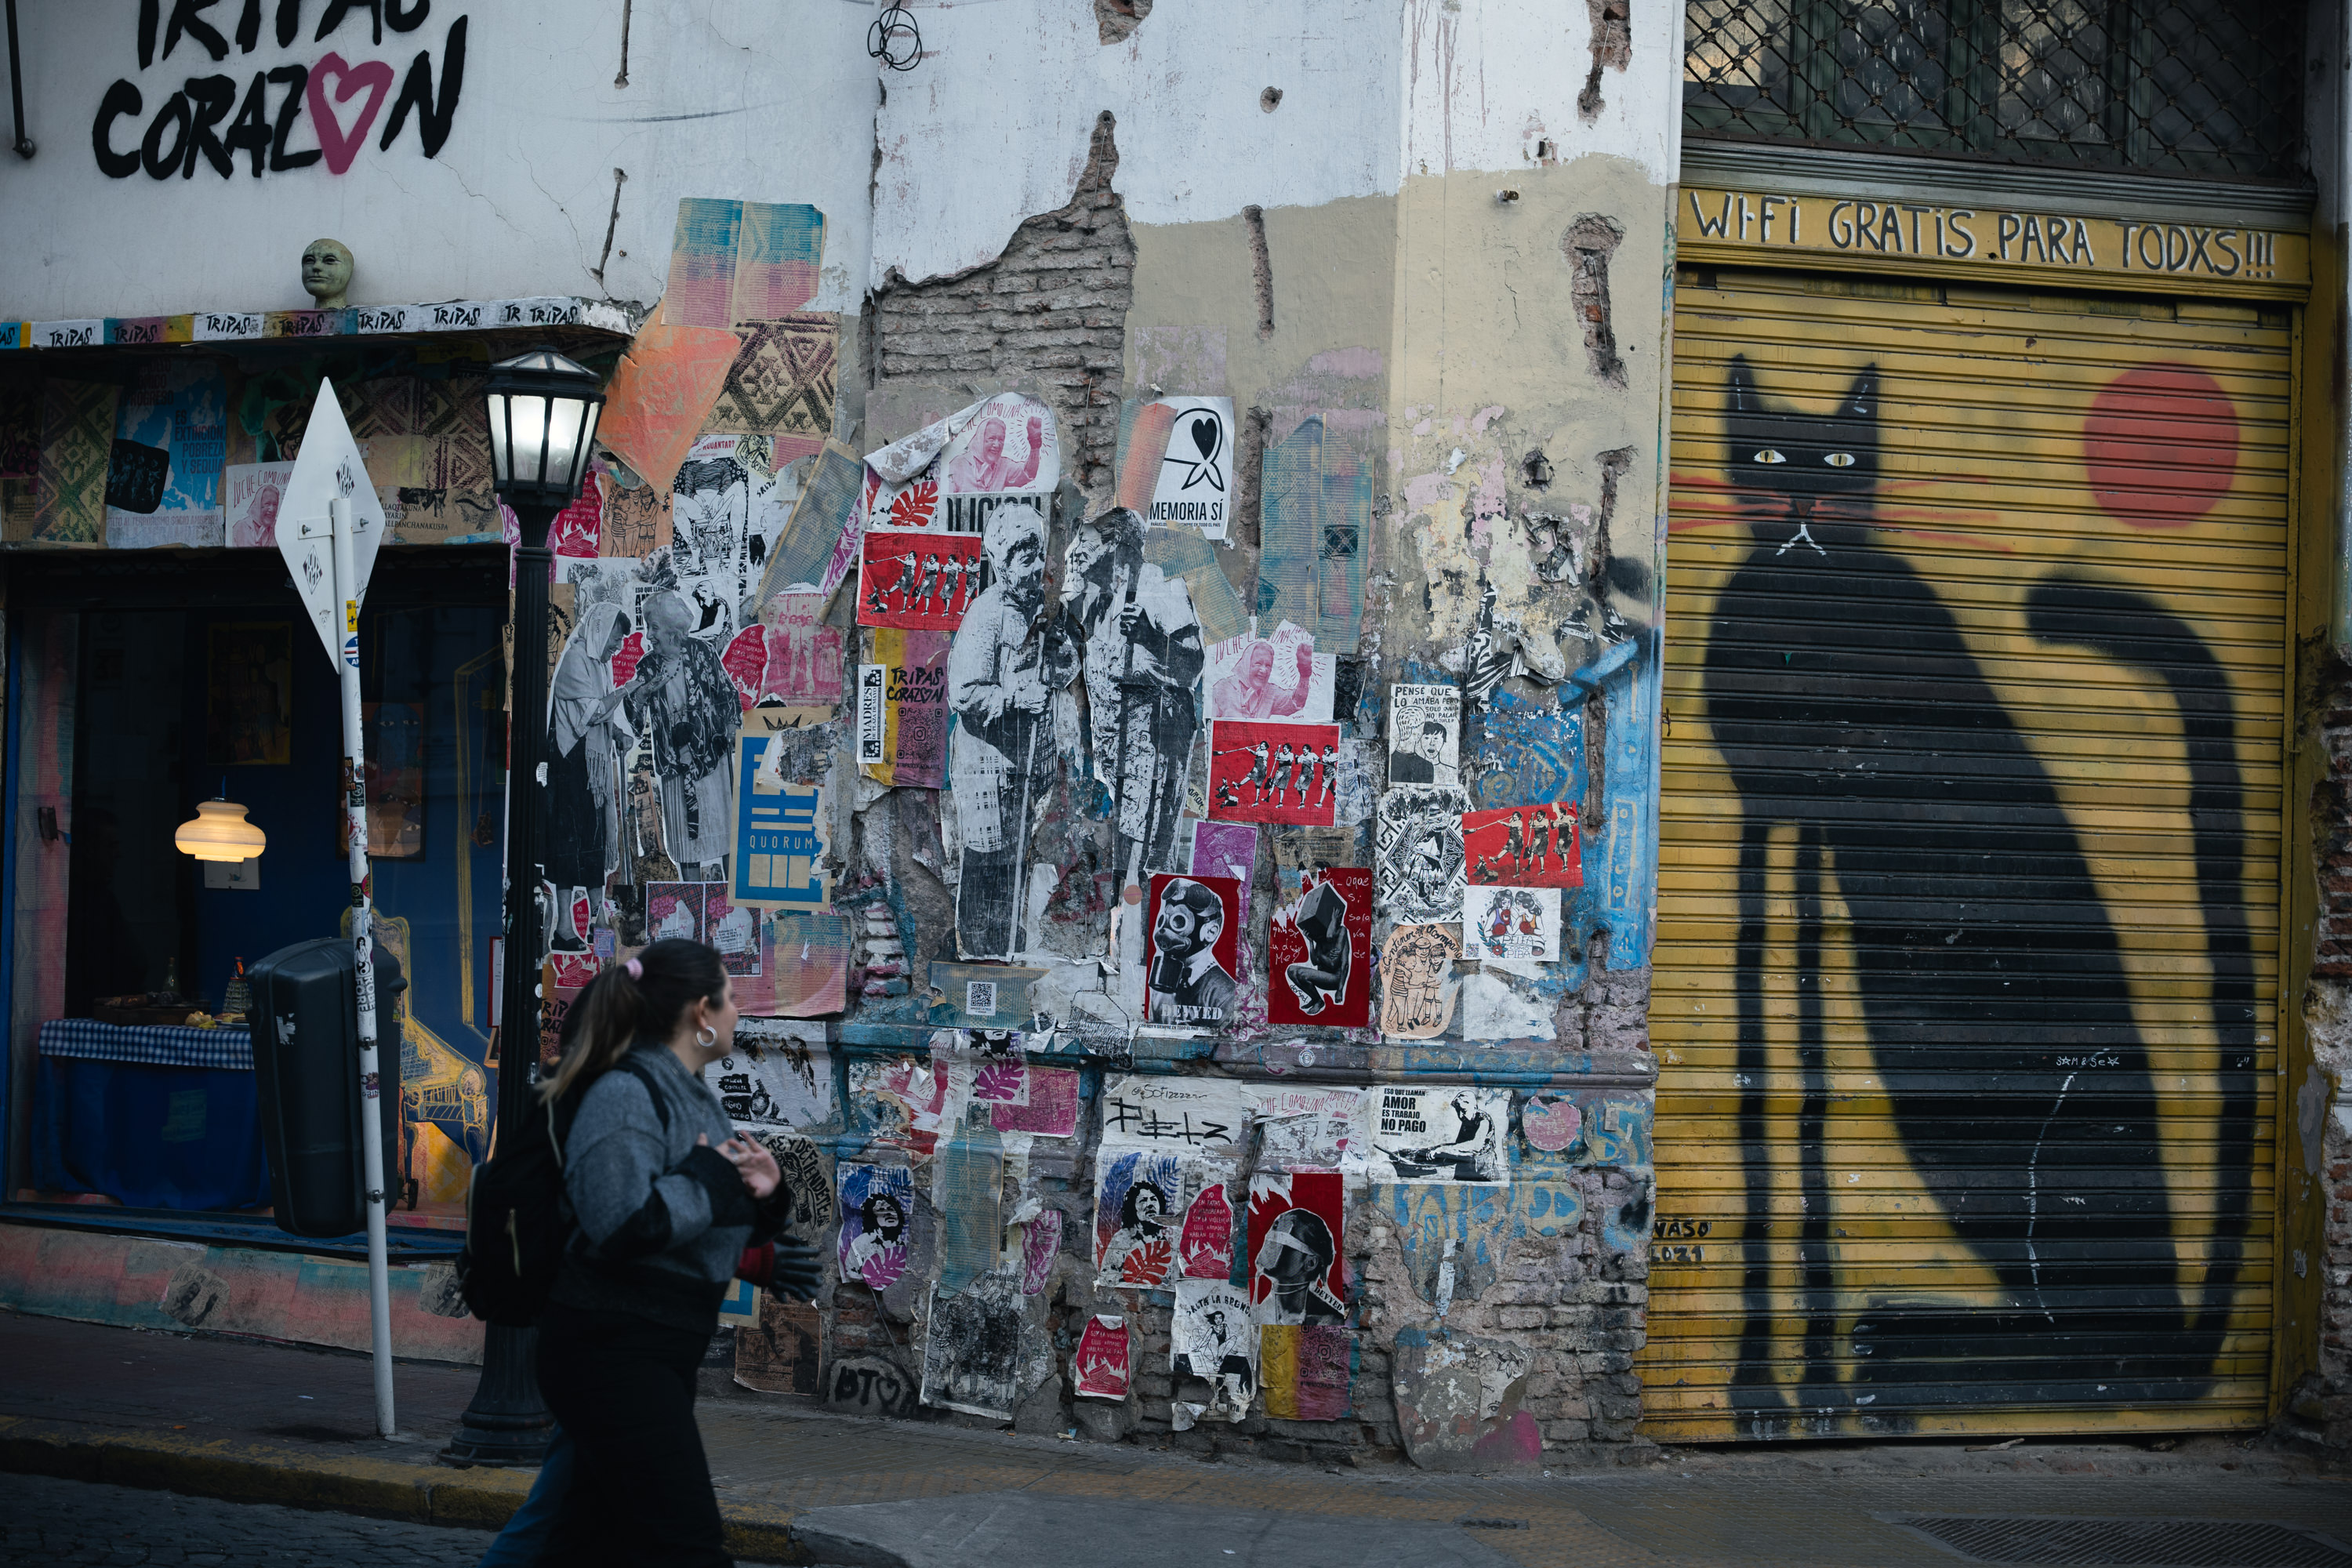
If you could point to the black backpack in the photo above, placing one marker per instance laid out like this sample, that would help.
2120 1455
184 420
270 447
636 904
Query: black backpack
518 1221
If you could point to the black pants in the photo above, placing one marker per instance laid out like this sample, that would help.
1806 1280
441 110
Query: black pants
624 1388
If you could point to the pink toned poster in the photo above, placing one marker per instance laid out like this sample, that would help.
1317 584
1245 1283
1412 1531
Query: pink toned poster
1052 1109
1273 773
1101 1363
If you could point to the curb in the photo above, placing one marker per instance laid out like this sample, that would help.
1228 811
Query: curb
238 1471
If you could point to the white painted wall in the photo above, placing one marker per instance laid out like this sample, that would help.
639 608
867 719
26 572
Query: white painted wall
757 100
993 124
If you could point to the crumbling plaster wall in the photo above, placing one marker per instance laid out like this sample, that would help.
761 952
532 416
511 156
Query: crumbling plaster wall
1315 243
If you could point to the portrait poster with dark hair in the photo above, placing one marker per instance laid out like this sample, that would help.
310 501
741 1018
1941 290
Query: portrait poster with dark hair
1437 1135
1319 952
1299 1273
878 1204
1138 1198
918 581
1424 735
1523 846
1273 773
1192 966
249 694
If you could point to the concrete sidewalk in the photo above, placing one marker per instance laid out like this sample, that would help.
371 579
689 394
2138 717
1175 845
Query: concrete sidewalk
263 1422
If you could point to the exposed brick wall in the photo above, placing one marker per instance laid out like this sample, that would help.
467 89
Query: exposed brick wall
1052 309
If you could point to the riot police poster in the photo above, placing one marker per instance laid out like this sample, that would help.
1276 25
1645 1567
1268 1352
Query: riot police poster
1273 773
918 582
1191 969
1524 846
1442 1134
1319 951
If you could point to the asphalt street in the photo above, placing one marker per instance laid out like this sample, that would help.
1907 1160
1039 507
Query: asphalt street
45 1521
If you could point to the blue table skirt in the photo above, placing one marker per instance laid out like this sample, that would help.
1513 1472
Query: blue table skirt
153 1137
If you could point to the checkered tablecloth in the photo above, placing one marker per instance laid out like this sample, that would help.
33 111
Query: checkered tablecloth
155 1045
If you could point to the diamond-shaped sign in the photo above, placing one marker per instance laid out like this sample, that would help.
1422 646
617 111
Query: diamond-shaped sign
329 467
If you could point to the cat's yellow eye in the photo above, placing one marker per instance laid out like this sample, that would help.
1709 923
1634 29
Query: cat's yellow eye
1839 459
1770 456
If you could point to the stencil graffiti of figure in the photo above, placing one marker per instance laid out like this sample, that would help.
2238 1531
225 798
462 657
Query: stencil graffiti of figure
682 696
1322 922
931 584
1331 761
1186 984
1282 763
983 466
878 1255
585 744
1143 655
1140 1249
1233 1379
1297 1257
1002 672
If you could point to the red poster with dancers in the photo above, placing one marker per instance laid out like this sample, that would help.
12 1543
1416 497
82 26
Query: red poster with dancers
1523 846
918 582
1273 773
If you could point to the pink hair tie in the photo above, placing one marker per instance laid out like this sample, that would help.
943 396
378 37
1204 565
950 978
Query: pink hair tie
637 970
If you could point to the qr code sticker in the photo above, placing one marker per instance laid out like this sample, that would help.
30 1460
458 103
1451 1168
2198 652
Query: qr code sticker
979 998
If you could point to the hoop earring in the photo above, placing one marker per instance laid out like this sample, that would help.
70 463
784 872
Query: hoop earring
705 1037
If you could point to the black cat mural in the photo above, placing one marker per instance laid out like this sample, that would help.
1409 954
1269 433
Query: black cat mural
1849 709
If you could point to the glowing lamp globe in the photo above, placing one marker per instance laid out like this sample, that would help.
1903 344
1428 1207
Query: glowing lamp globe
220 832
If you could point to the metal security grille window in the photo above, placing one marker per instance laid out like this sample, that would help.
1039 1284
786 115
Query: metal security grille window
2183 87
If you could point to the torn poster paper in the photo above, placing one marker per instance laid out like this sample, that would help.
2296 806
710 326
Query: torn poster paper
1041 1248
1424 735
251 494
171 442
1316 501
818 543
1225 849
579 529
972 1354
779 842
1192 481
1142 659
734 261
636 521
1525 845
1297 1272
1299 852
655 405
1272 772
1051 1110
1001 757
1195 950
1319 952
710 515
1215 1338
1515 927
902 709
1417 986
999 1081
1417 853
1100 1364
1142 1200
1437 1135
1204 1114
1303 1128
918 581
1306 1371
803 667
1179 553
968 1196
775 1076
682 701
1281 677
875 1203
782 383
1550 1121
983 996
1007 442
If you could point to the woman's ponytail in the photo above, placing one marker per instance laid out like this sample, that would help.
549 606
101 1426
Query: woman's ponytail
640 999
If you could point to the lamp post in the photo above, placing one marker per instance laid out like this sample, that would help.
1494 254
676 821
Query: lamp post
542 410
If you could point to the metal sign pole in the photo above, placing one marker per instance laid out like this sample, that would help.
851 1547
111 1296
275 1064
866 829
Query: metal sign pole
348 588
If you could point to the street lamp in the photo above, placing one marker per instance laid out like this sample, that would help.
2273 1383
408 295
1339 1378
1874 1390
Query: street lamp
542 409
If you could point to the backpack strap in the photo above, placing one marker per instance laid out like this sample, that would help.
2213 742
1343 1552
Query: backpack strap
562 1112
645 1075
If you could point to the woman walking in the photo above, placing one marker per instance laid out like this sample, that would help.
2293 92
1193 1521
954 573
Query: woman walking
667 1198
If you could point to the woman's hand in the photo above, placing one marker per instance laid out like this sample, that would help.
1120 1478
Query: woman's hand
752 1162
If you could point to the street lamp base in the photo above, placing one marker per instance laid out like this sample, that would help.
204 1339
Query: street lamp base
506 1423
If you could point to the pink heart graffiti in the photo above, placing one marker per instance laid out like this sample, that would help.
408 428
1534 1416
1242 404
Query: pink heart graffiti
376 76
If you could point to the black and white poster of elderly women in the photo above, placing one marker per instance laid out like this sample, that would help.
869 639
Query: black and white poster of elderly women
1143 657
586 739
682 699
1003 669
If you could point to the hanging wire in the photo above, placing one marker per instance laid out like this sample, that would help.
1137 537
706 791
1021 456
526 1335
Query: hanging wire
895 40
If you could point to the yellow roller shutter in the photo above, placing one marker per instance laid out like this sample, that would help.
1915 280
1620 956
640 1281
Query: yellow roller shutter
1966 966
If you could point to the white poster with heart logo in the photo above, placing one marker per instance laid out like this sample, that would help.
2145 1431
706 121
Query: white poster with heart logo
1195 438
